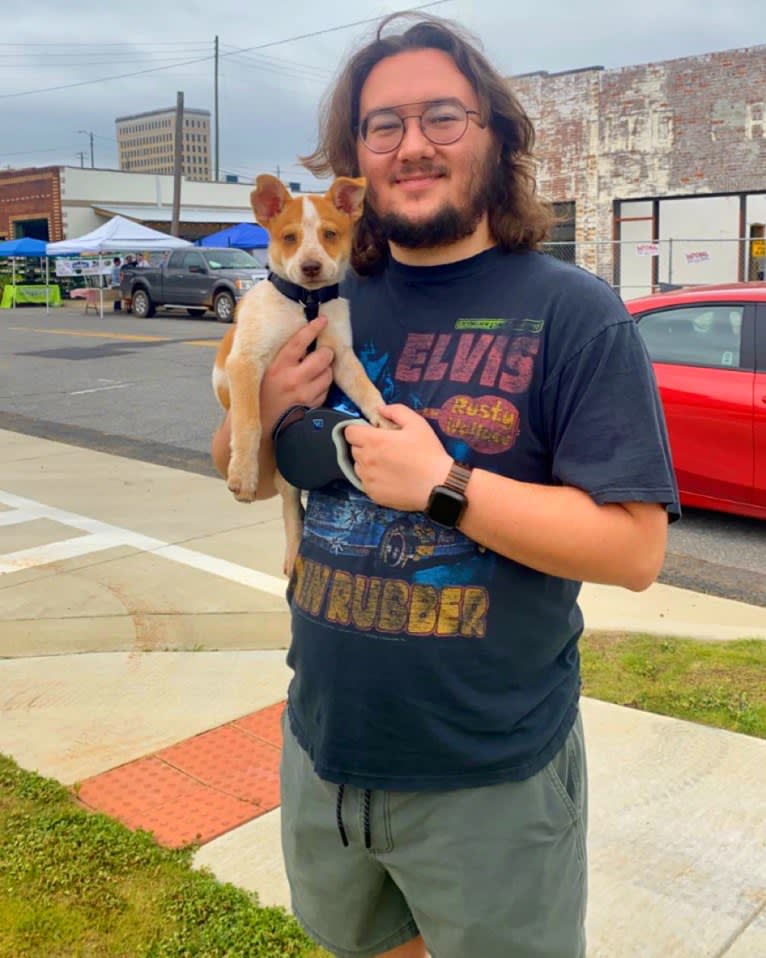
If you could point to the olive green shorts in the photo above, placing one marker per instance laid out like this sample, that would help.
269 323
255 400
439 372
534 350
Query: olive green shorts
495 872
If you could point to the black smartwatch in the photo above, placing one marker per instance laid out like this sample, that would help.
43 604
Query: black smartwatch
447 502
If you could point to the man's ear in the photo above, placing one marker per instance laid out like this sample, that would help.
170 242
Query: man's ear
268 198
347 195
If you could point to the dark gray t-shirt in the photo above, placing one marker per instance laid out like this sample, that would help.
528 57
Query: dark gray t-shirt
421 660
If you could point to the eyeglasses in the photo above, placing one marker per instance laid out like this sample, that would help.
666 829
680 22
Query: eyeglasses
442 122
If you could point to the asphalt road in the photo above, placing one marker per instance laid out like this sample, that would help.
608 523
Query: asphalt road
141 389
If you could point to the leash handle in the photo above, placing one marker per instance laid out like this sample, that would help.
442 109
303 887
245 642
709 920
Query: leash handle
343 450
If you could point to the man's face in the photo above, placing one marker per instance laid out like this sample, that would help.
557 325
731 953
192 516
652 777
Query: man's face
425 194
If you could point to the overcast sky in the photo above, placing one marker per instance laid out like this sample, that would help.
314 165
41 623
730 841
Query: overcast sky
68 68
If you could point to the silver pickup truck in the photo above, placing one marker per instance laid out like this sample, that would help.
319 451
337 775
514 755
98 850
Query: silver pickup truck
194 279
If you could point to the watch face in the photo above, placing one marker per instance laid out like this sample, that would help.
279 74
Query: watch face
445 506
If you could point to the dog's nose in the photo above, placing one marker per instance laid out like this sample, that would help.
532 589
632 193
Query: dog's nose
311 268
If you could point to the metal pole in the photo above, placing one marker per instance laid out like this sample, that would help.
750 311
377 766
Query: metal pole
92 163
215 108
174 226
670 261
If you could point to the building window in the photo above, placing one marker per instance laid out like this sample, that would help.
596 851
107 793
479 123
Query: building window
562 241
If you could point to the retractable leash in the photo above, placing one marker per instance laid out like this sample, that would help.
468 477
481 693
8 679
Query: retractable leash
310 447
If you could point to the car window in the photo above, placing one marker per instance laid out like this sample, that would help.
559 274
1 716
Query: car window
175 260
193 259
703 335
230 259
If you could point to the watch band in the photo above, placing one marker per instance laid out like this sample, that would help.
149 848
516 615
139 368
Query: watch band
458 477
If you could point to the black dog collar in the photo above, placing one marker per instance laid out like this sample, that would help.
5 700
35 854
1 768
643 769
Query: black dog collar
309 299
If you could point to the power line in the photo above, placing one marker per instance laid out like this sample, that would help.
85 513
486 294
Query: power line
119 76
309 73
262 46
345 26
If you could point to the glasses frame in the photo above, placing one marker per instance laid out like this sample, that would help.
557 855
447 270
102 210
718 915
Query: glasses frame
452 101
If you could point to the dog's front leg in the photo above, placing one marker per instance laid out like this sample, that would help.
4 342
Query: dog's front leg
292 515
245 390
347 370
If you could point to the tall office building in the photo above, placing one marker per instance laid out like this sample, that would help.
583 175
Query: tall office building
146 142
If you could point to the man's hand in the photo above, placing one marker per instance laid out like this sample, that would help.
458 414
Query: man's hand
399 467
295 377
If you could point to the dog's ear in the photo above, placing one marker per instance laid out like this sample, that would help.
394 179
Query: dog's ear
347 195
268 198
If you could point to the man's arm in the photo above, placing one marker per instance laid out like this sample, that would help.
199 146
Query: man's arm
558 530
293 378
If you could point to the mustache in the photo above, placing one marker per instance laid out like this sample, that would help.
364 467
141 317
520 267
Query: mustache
422 169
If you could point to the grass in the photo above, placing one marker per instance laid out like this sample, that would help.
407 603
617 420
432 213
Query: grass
74 884
714 683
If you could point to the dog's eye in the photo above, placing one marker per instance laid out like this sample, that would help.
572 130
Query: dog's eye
289 237
330 234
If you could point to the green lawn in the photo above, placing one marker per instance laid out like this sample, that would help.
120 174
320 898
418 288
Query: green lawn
714 683
78 885
73 883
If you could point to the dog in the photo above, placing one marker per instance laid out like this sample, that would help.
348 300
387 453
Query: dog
309 248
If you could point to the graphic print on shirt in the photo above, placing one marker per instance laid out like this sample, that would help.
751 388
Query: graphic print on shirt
494 358
412 577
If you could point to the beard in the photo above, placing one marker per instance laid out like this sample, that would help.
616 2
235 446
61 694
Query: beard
447 225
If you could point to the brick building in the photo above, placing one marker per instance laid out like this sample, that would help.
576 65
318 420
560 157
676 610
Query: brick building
30 203
62 202
652 153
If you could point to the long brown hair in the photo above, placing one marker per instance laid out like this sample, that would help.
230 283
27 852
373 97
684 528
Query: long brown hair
518 217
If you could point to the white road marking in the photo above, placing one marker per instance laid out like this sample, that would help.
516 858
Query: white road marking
14 516
102 535
98 389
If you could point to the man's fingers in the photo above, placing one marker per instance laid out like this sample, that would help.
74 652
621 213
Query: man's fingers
299 342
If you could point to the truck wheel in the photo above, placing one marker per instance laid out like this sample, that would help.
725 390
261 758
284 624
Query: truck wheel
196 311
143 307
223 307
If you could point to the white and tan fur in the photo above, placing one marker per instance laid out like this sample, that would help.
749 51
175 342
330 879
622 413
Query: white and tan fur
310 245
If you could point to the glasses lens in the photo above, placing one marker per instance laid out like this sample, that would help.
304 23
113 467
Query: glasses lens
444 122
382 131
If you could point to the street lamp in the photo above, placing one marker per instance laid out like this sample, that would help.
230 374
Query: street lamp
91 135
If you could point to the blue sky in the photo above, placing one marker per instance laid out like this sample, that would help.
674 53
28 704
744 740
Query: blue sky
64 69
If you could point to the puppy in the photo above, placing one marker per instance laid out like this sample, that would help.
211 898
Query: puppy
309 249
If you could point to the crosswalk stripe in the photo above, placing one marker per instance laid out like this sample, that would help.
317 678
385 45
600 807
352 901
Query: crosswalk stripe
102 535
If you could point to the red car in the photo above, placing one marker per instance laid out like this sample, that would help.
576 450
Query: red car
708 347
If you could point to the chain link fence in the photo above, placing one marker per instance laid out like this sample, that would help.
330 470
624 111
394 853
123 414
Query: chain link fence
636 269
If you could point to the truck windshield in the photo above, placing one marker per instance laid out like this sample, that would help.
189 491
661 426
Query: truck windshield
230 259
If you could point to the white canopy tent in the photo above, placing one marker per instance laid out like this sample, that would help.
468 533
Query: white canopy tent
118 235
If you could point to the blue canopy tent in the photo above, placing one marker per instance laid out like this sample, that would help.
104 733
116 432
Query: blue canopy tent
240 236
26 246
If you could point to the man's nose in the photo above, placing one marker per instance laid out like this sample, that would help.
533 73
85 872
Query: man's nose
414 141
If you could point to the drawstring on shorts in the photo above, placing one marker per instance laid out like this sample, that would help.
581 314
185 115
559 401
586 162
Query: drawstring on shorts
339 815
365 820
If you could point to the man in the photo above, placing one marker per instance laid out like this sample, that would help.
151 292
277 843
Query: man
433 772
114 283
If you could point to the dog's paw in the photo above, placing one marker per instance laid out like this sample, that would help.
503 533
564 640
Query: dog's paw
243 483
379 422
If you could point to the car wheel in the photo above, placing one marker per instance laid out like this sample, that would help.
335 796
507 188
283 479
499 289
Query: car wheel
142 305
196 311
223 307
397 546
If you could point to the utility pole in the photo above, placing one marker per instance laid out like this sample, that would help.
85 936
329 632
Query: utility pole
82 159
215 114
91 135
177 159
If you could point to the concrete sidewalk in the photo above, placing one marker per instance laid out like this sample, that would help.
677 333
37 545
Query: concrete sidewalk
142 629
